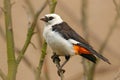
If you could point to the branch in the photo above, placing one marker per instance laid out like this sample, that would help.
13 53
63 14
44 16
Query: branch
117 77
32 12
42 58
25 59
2 33
60 71
2 75
30 33
12 69
84 19
90 68
112 28
52 5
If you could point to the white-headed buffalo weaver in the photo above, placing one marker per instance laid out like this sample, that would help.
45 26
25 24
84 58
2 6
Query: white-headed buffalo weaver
64 41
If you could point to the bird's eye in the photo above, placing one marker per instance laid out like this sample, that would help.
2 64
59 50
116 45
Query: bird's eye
50 18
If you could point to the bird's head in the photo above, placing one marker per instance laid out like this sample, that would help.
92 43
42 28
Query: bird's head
52 19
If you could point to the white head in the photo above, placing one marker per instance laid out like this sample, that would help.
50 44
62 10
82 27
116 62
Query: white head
52 19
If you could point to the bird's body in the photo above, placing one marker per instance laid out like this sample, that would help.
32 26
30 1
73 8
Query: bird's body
64 41
58 44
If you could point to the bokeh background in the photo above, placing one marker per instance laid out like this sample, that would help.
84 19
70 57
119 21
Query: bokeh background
100 17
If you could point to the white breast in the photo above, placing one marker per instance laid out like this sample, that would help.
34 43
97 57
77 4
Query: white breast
58 44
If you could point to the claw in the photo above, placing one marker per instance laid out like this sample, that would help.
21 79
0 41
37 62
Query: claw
55 57
60 71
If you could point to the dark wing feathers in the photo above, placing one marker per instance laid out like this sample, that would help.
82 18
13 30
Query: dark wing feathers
68 33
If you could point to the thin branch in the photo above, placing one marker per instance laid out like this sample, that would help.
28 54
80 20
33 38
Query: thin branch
84 19
2 33
60 72
88 69
112 28
46 71
52 5
25 59
3 10
2 75
12 69
42 58
30 33
39 36
91 67
117 77
117 7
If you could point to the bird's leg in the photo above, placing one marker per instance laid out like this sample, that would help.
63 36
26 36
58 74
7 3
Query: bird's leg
56 60
67 57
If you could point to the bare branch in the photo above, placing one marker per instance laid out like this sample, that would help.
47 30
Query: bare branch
2 75
117 77
30 33
112 28
12 68
52 5
39 68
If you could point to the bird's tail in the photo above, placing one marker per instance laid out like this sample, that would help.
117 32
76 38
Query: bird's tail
89 52
90 57
100 56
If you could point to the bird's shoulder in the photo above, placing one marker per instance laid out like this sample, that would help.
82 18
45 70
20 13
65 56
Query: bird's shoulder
68 33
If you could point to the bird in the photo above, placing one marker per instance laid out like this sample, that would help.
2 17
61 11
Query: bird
64 41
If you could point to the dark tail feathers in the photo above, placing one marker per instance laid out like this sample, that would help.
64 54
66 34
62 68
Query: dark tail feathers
90 57
94 53
100 56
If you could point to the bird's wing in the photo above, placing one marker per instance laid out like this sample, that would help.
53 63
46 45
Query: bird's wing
68 33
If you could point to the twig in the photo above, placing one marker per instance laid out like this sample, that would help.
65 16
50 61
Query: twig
3 10
39 37
2 33
112 28
42 58
30 33
117 6
60 71
2 75
57 60
84 19
46 71
12 68
25 59
117 77
33 45
91 67
88 69
52 5
32 12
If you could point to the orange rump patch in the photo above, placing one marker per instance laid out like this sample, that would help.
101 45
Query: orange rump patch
80 50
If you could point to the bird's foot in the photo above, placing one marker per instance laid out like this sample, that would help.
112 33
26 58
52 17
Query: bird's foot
55 58
60 71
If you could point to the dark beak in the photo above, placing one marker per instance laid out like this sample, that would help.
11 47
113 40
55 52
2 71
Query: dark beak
45 19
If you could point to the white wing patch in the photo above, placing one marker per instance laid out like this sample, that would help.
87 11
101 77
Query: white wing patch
73 41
